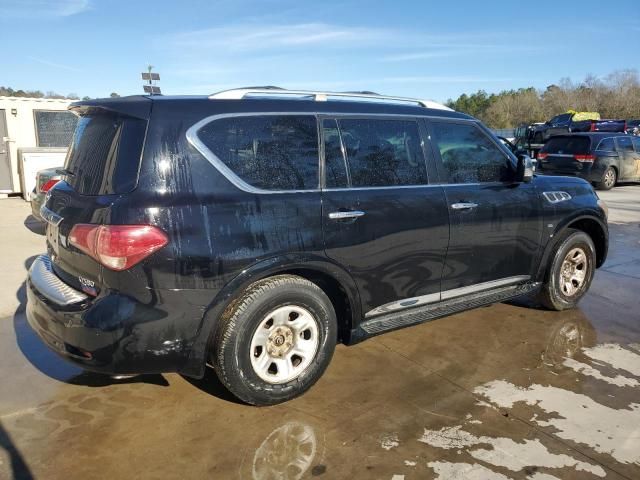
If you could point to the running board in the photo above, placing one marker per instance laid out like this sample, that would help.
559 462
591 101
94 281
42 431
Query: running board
414 316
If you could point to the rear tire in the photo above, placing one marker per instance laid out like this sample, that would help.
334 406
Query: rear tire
275 341
608 180
571 271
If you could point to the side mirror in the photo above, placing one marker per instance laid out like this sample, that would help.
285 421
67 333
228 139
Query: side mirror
524 170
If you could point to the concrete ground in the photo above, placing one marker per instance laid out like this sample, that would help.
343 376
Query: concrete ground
507 391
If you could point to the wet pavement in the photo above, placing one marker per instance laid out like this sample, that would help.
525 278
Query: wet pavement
507 391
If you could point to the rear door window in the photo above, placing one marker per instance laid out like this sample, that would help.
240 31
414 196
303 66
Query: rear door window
624 144
383 153
567 146
269 152
105 152
468 155
607 145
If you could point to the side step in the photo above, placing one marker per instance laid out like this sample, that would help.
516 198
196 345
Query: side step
413 316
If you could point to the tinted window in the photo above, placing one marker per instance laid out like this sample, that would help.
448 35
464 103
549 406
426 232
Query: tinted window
383 152
271 152
624 144
105 154
567 145
335 170
564 118
607 145
468 155
54 129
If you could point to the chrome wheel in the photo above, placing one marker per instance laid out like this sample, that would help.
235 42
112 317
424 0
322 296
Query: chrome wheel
573 272
609 178
284 344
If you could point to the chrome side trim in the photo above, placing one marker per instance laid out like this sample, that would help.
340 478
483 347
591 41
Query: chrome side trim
192 138
446 295
50 285
50 216
402 304
556 197
479 287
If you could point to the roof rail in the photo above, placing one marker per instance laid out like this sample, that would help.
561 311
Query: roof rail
319 96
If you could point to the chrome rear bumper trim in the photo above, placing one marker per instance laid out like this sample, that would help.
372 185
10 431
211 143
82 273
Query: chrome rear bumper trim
50 286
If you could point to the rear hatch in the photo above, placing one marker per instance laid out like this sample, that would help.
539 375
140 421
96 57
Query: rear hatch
101 166
566 155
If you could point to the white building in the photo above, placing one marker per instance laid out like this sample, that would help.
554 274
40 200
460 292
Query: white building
34 134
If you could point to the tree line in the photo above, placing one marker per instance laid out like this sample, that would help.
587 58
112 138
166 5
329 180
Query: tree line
615 96
10 92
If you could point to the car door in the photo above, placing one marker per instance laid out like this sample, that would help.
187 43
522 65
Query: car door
636 147
627 154
382 220
496 223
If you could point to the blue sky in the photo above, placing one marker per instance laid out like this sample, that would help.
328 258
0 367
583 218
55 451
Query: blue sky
426 49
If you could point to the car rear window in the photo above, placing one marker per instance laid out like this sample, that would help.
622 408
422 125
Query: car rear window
270 152
567 145
104 156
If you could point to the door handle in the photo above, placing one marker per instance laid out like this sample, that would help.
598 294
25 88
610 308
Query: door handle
346 215
464 206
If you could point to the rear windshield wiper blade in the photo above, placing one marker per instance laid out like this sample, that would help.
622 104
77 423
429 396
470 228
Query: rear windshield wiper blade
64 171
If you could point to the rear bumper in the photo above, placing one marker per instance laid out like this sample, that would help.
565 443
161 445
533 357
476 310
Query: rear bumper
113 333
590 173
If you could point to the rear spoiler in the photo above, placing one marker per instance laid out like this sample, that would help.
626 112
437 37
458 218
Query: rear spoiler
137 106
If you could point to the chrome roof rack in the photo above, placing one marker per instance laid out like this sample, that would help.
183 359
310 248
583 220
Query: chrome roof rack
319 96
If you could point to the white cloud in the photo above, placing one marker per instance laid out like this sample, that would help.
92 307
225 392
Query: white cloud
42 8
252 37
56 65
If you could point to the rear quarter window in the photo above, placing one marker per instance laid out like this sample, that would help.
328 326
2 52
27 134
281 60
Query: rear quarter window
269 152
567 145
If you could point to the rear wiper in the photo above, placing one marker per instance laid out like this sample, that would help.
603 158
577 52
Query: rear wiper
64 171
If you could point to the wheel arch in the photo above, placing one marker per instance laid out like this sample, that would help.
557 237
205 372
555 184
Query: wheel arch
336 282
592 226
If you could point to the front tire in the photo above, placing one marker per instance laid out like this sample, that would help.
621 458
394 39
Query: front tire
275 341
571 271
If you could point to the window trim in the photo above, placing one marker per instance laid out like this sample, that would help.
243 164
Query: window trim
35 124
438 158
194 140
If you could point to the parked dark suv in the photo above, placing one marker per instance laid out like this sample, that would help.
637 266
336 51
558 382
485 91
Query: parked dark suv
600 158
254 229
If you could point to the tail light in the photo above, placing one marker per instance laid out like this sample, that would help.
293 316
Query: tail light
49 185
117 247
593 126
542 155
585 158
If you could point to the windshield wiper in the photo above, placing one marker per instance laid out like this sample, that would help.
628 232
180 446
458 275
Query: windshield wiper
65 171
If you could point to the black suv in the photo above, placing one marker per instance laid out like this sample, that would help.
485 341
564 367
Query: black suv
254 229
600 158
